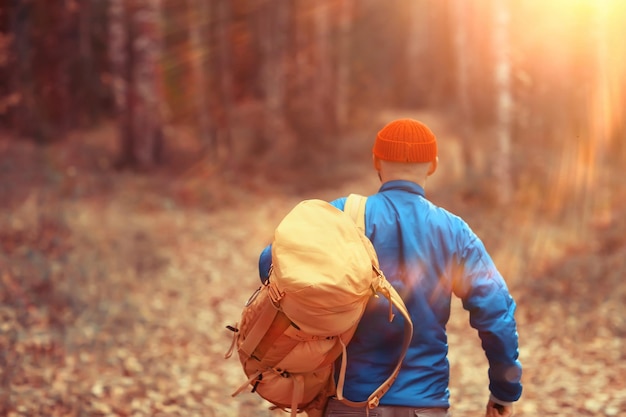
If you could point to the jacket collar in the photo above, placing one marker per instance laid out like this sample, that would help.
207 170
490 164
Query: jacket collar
403 185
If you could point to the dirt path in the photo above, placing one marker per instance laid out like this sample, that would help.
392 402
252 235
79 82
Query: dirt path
116 289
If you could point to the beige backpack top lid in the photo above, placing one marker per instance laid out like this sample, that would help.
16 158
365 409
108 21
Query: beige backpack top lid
322 280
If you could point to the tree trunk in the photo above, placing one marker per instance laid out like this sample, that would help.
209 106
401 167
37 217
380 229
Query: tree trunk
273 27
324 84
607 92
135 52
21 102
342 98
87 70
224 84
419 54
199 21
311 99
464 113
148 50
504 101
121 56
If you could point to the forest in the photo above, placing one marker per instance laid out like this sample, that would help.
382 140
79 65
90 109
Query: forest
148 149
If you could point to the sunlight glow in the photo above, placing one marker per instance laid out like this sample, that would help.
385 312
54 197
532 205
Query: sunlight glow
581 40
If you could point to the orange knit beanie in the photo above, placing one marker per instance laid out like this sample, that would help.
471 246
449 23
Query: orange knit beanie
406 140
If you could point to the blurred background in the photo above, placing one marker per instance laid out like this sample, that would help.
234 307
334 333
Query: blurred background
148 148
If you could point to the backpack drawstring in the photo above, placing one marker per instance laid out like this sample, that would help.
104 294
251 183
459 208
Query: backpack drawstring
256 375
235 331
342 371
298 393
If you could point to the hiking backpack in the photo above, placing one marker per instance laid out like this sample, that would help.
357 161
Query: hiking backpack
295 326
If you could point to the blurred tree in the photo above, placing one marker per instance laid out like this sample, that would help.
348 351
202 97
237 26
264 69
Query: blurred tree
324 75
273 21
418 64
345 16
19 93
310 103
274 77
609 101
210 47
52 66
430 35
135 53
462 97
504 102
199 22
224 86
377 47
475 103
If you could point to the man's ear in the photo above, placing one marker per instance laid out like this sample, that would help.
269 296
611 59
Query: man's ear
376 162
433 166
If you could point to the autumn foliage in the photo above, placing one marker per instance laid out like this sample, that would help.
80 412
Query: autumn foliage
148 150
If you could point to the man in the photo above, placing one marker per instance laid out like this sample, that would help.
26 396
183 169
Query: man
427 254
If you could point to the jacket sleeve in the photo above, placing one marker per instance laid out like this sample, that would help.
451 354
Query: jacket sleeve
485 295
265 263
340 203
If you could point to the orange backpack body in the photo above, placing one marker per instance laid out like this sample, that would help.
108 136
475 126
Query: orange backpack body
293 329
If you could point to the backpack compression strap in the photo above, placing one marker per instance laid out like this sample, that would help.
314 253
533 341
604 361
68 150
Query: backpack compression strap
355 207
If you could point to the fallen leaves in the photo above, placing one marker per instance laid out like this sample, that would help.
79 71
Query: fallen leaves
109 308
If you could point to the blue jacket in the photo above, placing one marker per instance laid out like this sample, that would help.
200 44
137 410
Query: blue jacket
427 254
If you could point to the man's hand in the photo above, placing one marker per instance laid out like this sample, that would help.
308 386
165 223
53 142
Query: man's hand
498 410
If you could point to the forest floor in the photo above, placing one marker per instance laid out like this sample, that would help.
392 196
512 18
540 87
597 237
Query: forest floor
115 287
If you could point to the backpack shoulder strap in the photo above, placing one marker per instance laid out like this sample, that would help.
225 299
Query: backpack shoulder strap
355 208
374 399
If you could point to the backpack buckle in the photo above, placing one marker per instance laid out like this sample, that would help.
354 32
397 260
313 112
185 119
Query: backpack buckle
275 294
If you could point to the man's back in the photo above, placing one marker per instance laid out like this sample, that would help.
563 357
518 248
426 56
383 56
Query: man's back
426 253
